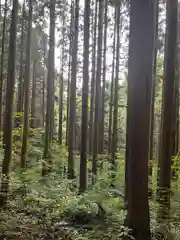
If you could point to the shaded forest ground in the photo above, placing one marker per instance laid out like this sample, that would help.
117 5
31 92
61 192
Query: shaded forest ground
51 208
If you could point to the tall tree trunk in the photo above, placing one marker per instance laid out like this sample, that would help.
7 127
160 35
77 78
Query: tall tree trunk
175 136
24 150
2 63
61 81
116 87
20 84
33 98
98 88
165 156
151 150
112 90
138 124
44 84
104 78
69 67
93 77
72 106
9 105
50 89
85 89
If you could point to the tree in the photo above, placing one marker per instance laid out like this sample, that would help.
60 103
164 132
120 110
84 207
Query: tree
112 90
104 77
2 61
98 88
72 106
21 73
93 77
9 105
151 150
61 78
115 115
50 89
71 30
84 119
139 101
24 149
165 155
33 99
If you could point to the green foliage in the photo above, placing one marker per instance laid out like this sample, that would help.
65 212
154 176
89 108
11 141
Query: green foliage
52 208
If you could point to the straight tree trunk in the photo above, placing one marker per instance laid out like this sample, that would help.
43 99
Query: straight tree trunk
93 77
20 84
98 88
104 77
85 89
165 156
72 106
151 151
9 105
33 98
116 87
61 83
2 63
24 149
112 90
43 87
50 89
69 66
138 125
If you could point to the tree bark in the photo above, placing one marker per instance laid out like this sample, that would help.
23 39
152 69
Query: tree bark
24 150
104 78
138 124
116 87
112 91
72 106
165 156
98 88
93 77
9 105
85 89
61 83
2 63
20 84
50 89
33 98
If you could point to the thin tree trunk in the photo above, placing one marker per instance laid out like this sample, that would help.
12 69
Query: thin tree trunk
165 157
85 89
2 63
9 105
72 106
33 98
98 88
24 150
69 68
93 77
61 84
20 84
50 88
151 149
112 91
116 87
43 89
104 78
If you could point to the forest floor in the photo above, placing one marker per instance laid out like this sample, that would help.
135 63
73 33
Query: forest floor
51 208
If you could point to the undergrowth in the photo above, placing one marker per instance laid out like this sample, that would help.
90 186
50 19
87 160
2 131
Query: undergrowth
51 208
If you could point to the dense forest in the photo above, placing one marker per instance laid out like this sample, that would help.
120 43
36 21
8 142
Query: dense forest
89 119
